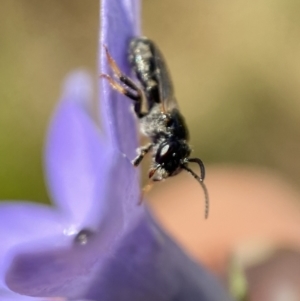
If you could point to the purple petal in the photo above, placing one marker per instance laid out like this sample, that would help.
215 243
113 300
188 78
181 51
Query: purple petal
24 226
71 270
75 152
142 265
119 25
21 223
11 296
148 265
120 22
87 178
96 188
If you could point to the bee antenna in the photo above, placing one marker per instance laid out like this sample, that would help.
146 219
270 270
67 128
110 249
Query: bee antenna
200 180
201 165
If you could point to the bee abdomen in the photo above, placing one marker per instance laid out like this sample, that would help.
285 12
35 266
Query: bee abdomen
141 58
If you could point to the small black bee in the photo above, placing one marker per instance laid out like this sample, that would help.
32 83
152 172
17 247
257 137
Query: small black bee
162 123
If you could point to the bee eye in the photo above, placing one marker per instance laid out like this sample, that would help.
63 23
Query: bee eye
166 152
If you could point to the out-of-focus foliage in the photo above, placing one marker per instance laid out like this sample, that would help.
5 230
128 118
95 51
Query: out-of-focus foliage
236 68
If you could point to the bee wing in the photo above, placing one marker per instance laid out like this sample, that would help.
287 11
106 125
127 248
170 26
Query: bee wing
164 81
151 70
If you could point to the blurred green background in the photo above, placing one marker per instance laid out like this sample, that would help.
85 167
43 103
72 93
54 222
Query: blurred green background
235 66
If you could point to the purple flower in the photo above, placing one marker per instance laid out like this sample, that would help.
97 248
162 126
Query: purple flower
96 244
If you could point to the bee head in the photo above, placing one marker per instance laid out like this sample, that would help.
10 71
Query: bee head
170 155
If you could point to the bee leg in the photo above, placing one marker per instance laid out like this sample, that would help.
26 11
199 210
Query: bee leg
150 184
142 152
115 85
129 85
145 189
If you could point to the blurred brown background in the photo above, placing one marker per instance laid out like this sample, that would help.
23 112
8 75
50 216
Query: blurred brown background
236 69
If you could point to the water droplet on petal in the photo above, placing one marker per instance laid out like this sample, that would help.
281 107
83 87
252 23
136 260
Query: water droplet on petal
83 237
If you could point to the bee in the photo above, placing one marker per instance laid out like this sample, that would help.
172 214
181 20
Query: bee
162 121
